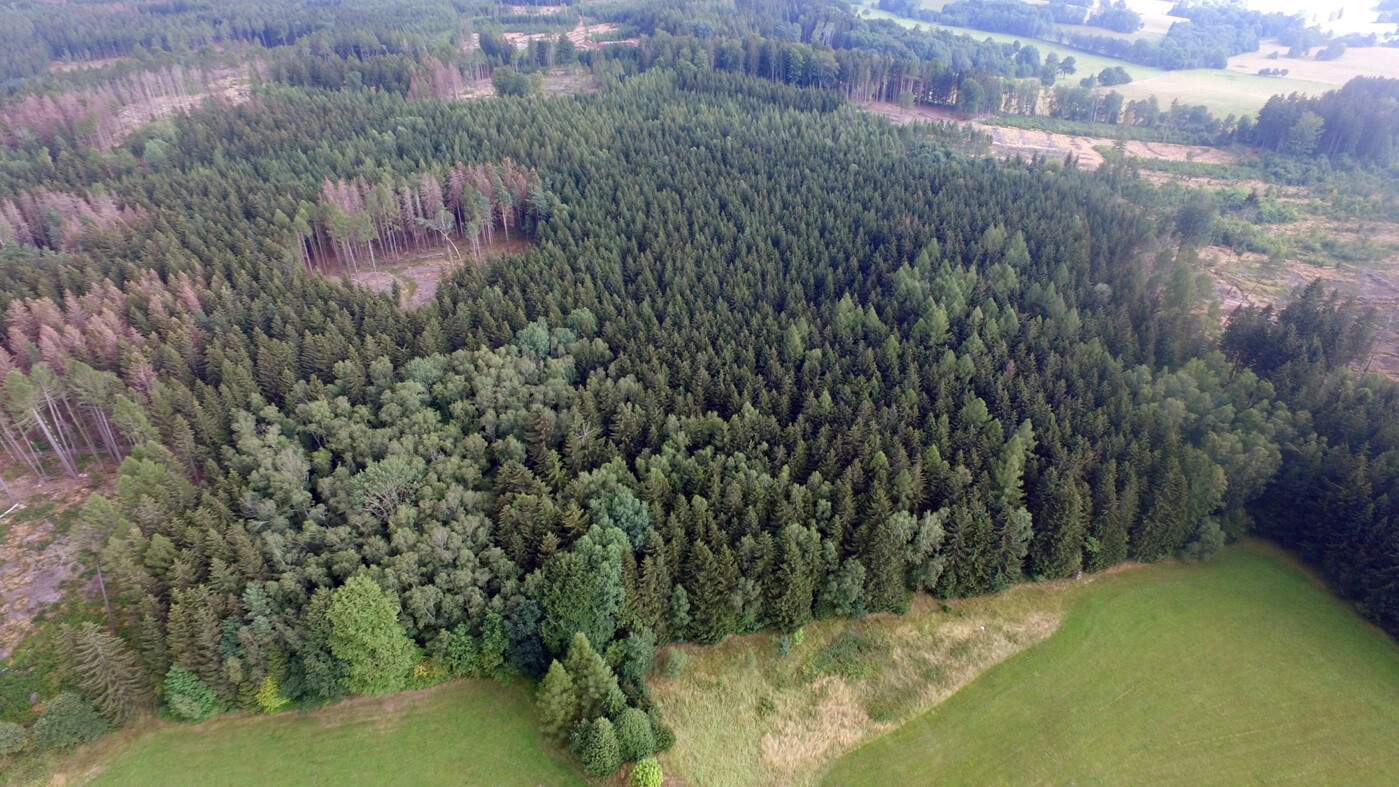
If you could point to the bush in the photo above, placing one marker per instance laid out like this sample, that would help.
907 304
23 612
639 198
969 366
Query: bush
269 697
188 697
68 720
12 738
635 740
661 732
647 773
675 662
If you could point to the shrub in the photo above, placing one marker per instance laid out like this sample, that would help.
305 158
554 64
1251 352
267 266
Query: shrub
661 732
68 720
635 740
675 662
12 738
188 697
269 697
647 773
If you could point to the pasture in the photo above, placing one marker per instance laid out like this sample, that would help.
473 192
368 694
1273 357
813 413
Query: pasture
466 732
1238 671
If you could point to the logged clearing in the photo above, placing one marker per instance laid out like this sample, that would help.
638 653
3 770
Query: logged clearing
417 275
743 715
1007 142
465 732
36 559
1239 671
1356 257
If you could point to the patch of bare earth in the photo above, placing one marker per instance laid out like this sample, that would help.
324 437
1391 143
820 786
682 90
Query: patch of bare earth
35 559
1251 279
1007 142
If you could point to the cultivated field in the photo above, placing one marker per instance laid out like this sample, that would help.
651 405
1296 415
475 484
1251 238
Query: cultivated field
1240 671
467 732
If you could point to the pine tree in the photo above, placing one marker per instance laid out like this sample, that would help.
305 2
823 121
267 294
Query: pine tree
107 671
557 702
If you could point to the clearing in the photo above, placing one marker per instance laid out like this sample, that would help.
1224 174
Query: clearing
417 275
1239 671
1007 141
465 732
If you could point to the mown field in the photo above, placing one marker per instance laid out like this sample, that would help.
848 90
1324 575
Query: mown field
468 732
1240 671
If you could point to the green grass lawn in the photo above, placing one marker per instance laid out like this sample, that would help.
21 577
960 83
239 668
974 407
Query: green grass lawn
468 732
1240 671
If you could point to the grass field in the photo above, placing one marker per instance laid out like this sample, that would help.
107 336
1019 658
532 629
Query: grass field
1238 671
1224 92
467 732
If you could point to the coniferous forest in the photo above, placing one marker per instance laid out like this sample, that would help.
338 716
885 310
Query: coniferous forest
765 359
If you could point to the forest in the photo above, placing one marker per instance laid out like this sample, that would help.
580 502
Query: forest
764 360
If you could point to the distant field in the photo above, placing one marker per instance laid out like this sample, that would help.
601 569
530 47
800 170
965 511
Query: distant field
1086 63
1240 671
469 732
1224 92
1237 90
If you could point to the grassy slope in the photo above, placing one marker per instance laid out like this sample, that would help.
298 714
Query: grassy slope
468 732
1239 671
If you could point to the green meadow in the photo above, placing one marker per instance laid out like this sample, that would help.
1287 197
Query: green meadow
467 732
1238 671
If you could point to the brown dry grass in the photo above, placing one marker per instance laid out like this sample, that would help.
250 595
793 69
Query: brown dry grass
744 716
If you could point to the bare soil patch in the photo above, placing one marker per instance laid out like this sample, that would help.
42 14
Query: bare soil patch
1250 279
35 553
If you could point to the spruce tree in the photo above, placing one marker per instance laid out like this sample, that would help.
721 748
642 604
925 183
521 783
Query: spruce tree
107 671
557 702
595 685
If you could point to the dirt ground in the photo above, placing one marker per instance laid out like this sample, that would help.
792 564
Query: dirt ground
35 556
1007 142
1253 279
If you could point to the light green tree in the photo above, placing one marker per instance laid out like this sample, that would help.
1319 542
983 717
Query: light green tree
365 634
